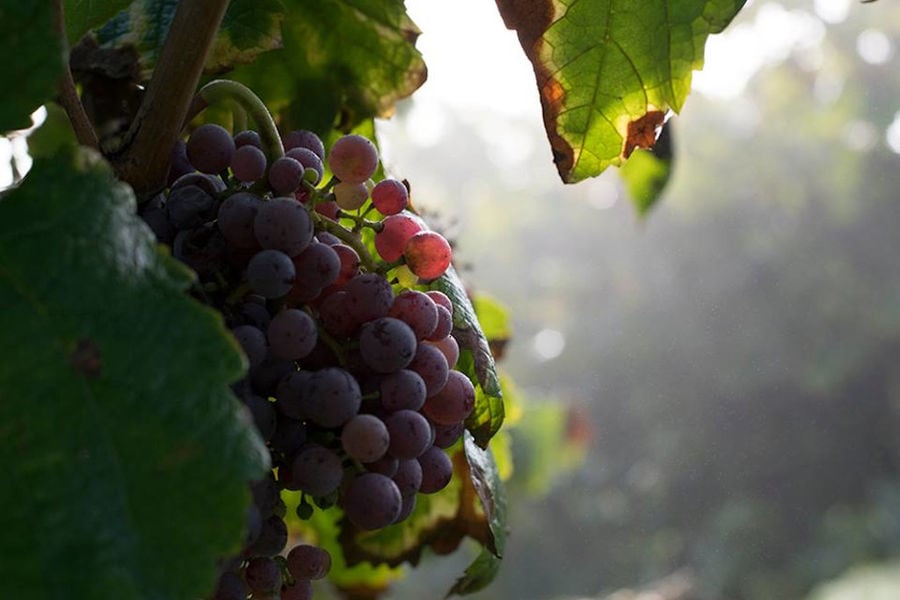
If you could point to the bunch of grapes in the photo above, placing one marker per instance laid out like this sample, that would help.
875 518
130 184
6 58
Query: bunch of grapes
351 380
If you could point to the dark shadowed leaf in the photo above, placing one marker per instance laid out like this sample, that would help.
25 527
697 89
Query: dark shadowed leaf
125 456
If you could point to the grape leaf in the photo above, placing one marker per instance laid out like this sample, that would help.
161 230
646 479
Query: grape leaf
125 456
249 28
608 71
33 60
487 417
343 61
84 15
647 172
478 575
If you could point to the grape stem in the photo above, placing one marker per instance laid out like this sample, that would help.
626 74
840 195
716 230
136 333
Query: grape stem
223 90
68 95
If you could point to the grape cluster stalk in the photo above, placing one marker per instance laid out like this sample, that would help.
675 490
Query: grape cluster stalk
351 381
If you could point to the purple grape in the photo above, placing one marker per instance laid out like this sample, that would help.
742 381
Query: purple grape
387 344
353 159
270 273
371 296
247 138
448 346
371 501
211 184
453 403
444 325
308 562
178 162
310 161
410 433
248 163
437 470
317 266
403 389
290 435
189 206
263 575
230 586
266 376
387 465
408 477
253 343
272 538
236 215
301 590
365 438
431 365
285 175
398 229
408 506
335 315
331 397
417 310
209 148
349 263
447 435
283 224
263 414
292 334
290 393
302 138
316 470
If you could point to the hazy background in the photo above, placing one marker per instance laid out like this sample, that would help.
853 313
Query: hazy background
732 363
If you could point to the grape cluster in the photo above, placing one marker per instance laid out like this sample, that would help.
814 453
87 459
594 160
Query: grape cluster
351 380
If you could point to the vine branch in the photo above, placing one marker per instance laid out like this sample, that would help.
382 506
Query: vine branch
144 159
68 94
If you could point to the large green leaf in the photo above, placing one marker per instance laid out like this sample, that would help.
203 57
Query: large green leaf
84 15
248 28
343 61
609 70
32 60
125 456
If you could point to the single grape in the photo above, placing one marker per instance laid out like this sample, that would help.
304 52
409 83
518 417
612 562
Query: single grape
396 233
387 344
408 506
316 470
292 334
371 501
453 403
283 224
328 209
437 470
387 465
308 562
410 433
266 376
449 347
189 206
408 477
353 159
371 296
317 266
209 148
310 161
263 414
335 316
365 438
331 397
447 435
417 310
290 392
178 162
349 263
427 254
265 495
247 138
263 575
390 196
248 163
253 343
272 538
155 216
431 365
230 586
301 590
302 138
441 299
290 434
444 325
236 215
403 389
350 196
285 175
328 238
270 273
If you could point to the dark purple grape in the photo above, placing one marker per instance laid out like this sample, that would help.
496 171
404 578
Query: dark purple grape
331 397
403 389
448 346
263 575
231 586
301 590
290 393
211 184
189 206
441 299
353 158
410 433
248 163
437 470
253 343
316 470
453 403
390 196
156 217
310 161
283 224
349 263
371 501
247 138
328 238
270 273
285 175
302 138
408 477
236 216
292 334
371 296
447 435
308 562
317 266
263 414
408 506
178 162
417 310
431 365
272 538
266 376
335 315
365 438
209 148
290 435
265 495
392 240
387 344
444 325
387 465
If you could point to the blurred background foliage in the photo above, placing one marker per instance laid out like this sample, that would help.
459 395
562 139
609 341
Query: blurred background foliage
711 392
